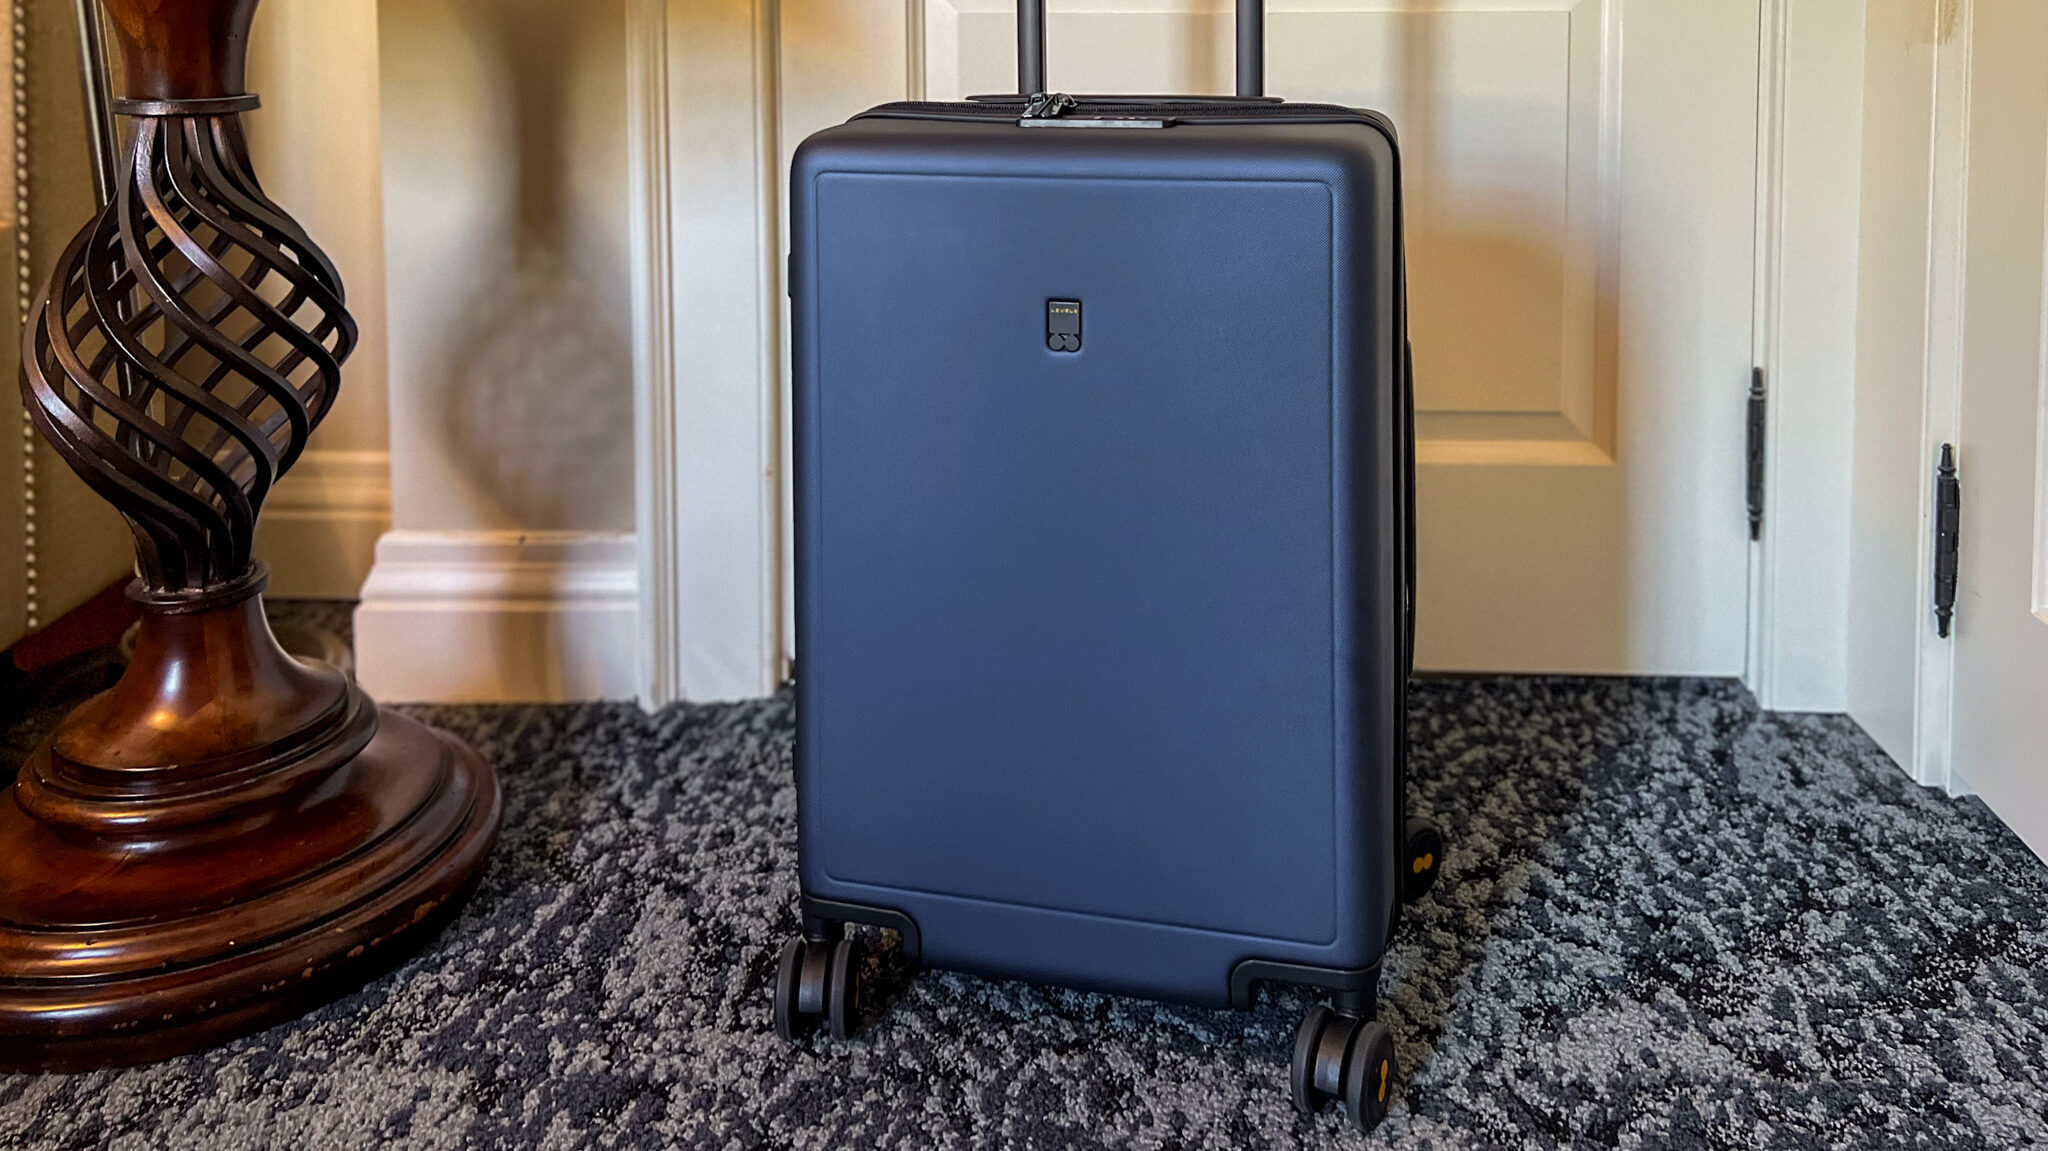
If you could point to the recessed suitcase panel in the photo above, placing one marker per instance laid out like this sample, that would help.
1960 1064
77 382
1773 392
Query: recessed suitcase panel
1086 598
1099 645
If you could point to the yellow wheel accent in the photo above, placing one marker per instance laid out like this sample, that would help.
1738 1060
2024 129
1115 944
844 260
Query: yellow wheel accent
1369 1056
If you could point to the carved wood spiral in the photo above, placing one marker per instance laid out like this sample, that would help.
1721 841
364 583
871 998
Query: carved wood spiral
190 340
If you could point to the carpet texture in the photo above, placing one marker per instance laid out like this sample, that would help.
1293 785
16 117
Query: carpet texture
1665 920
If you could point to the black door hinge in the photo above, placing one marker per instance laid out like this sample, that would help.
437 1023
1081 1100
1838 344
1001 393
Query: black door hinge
1756 454
1948 522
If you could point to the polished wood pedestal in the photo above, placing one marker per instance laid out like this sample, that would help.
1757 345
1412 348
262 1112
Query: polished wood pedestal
223 839
228 835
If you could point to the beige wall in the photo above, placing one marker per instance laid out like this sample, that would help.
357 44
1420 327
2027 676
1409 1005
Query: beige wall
504 164
319 152
463 162
316 147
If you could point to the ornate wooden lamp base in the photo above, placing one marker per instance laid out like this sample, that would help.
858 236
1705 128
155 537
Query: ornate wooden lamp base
225 838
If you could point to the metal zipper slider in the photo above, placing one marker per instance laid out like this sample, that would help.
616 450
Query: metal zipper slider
1044 111
1047 105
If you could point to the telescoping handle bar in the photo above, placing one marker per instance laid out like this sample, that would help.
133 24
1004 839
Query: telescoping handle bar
1251 47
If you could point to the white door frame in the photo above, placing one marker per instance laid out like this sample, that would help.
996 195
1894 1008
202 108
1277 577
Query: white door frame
1809 155
708 336
1912 326
1942 90
1932 760
707 346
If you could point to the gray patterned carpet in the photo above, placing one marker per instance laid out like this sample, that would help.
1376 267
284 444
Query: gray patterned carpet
1666 921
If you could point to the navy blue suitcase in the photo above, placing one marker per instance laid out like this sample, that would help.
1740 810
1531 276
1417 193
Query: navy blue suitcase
1104 506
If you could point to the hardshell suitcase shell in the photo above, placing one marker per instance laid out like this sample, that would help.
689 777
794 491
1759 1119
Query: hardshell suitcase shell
1104 537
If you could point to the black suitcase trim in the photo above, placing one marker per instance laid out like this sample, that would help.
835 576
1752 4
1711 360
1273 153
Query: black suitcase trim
1355 990
822 918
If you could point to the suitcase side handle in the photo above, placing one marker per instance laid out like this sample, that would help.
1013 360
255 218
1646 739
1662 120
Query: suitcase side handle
1251 47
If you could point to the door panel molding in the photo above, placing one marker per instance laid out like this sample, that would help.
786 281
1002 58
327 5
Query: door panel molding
1551 68
1514 136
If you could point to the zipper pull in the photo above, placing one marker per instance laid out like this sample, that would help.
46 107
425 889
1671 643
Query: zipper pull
1047 105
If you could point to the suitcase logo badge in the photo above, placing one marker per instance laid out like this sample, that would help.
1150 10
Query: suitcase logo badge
1063 325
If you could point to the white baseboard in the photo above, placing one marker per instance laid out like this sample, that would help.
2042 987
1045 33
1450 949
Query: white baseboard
500 617
319 528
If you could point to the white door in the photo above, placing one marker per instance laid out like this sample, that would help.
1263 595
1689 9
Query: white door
2001 623
1580 177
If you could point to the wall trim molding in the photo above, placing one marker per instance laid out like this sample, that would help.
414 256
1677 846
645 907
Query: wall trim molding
654 361
320 526
704 190
500 617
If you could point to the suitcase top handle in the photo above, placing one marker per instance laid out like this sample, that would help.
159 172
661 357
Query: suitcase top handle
1251 47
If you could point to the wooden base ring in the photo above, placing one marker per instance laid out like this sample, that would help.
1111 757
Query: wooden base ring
149 909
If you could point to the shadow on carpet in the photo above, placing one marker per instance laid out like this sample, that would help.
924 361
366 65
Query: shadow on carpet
1664 920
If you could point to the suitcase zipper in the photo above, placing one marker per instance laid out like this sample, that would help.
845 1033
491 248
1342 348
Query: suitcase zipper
1047 105
1048 110
1103 111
